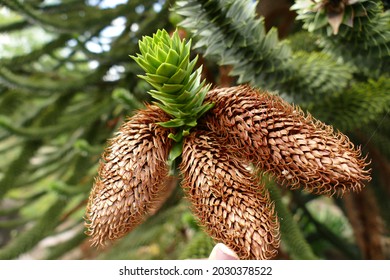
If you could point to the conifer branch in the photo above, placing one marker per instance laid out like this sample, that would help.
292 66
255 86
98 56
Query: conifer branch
320 71
29 238
54 22
377 136
290 233
63 126
358 31
18 165
29 147
34 83
14 26
58 251
35 54
199 247
45 172
229 31
357 106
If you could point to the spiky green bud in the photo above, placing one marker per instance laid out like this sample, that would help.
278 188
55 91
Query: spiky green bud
178 89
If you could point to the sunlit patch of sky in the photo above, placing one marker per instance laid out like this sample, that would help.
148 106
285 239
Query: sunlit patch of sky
93 64
114 73
140 9
51 2
134 27
5 11
157 7
106 3
115 28
102 43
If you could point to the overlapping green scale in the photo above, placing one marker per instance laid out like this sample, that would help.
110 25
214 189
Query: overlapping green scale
178 88
231 33
363 37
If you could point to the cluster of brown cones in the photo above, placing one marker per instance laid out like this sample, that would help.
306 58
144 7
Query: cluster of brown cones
246 132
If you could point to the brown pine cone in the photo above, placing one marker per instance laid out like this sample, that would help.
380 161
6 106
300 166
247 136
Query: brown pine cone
278 138
228 201
132 179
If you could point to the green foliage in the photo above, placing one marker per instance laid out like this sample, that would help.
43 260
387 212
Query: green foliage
321 72
357 106
61 97
199 247
377 135
363 38
58 251
230 32
292 236
42 228
303 41
162 236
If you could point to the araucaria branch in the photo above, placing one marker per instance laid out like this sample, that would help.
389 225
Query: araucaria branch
225 136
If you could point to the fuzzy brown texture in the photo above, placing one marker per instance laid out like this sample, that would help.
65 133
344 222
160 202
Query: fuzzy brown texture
278 138
132 178
228 201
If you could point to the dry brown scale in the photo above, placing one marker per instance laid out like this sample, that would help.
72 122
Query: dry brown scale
278 138
245 126
229 202
133 177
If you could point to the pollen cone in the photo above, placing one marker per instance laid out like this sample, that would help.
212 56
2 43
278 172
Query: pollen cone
277 137
132 178
233 208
